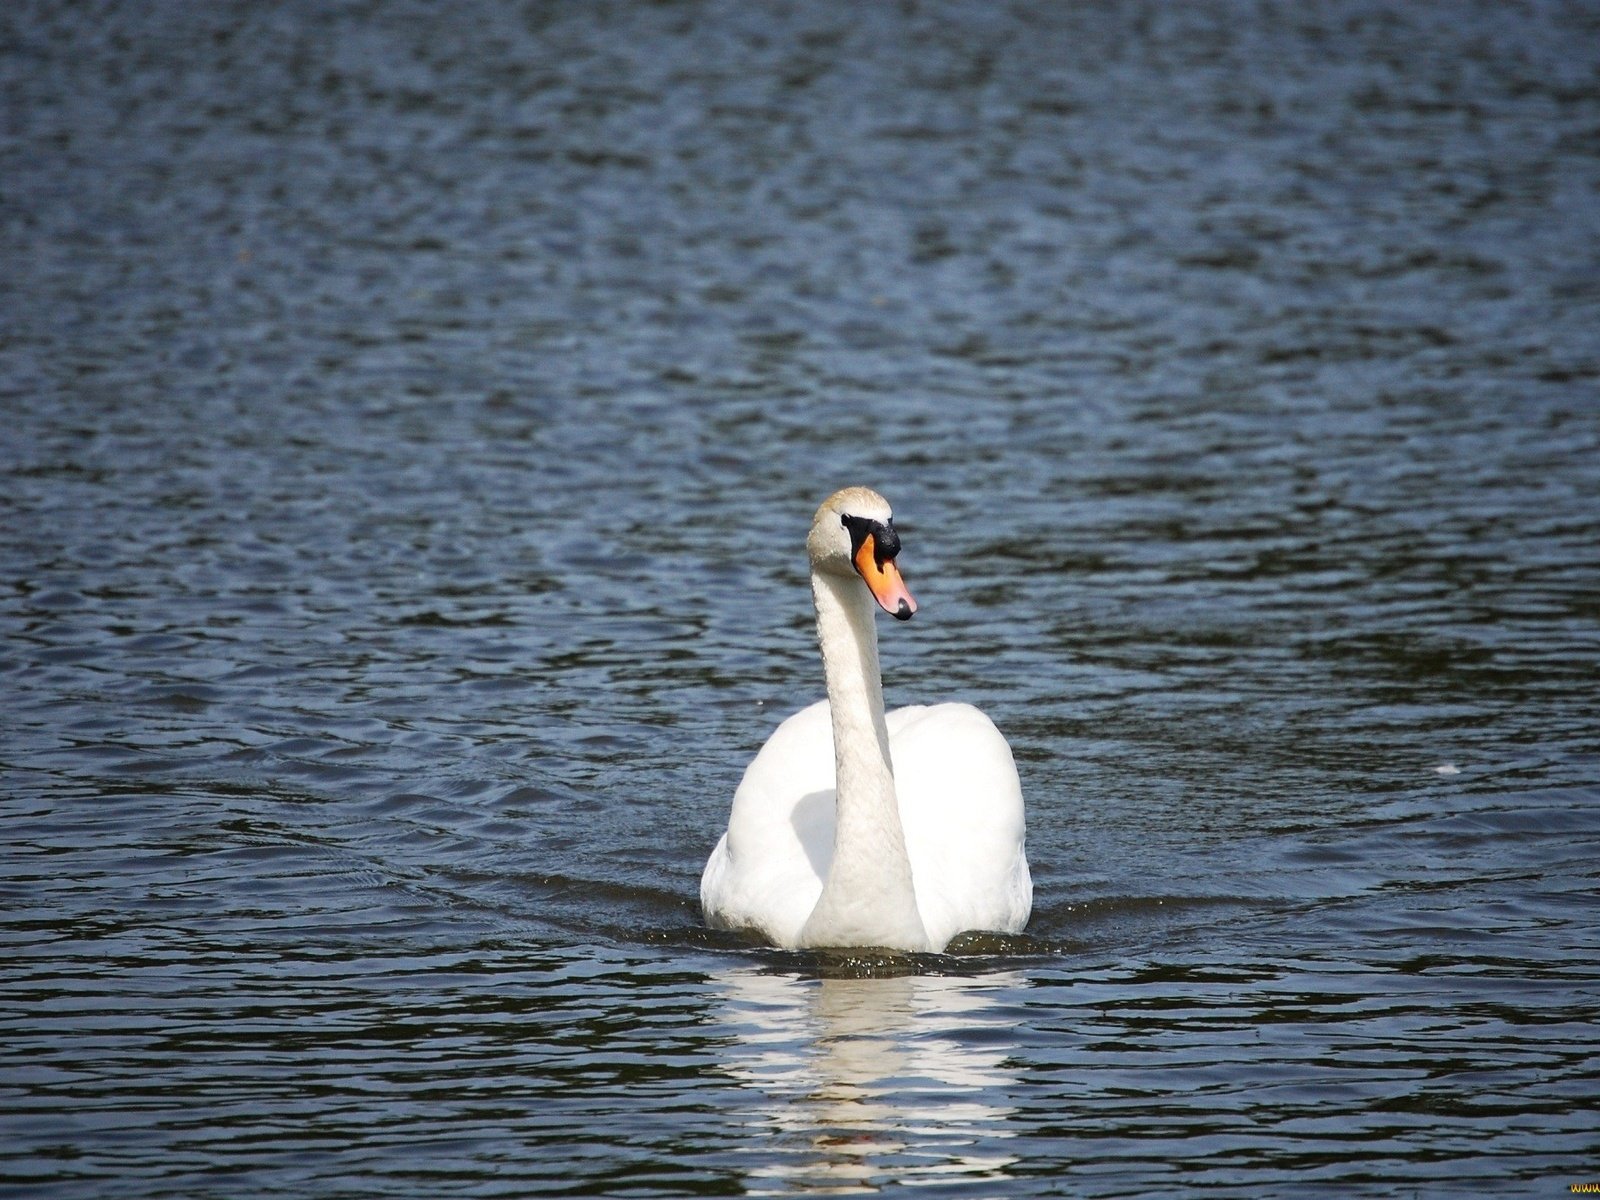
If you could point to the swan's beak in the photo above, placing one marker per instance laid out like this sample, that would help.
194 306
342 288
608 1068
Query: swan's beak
883 580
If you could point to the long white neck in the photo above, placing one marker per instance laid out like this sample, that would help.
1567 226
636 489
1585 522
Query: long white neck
868 898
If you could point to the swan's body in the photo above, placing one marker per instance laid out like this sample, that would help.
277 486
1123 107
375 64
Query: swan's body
856 827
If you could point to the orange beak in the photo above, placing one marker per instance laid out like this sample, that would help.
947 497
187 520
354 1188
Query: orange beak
883 580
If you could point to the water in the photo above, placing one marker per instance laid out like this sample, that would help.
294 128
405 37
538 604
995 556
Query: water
412 423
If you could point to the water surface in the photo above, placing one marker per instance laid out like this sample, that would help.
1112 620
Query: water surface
412 424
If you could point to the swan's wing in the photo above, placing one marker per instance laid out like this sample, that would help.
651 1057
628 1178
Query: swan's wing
961 805
767 871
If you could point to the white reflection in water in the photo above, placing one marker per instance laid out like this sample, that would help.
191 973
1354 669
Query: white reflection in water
867 1082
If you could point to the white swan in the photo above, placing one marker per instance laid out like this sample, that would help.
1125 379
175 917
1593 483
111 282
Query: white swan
856 828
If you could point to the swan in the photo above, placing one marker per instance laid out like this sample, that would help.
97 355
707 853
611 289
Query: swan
854 827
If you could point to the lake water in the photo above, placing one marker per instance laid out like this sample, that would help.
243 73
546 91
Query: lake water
412 419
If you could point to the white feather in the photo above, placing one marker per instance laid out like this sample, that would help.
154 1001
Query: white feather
935 845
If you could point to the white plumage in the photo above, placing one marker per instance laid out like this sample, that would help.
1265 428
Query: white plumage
853 827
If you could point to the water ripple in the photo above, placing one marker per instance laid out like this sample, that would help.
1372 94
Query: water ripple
412 429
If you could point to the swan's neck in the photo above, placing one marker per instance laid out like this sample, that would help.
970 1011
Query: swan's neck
868 898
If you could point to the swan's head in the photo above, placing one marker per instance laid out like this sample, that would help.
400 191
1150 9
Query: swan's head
853 534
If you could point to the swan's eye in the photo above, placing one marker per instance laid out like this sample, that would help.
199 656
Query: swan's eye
859 528
885 541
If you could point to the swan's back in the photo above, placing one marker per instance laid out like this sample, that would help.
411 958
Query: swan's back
767 871
960 805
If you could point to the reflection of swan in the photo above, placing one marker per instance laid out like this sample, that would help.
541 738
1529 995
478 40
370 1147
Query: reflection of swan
872 1080
852 828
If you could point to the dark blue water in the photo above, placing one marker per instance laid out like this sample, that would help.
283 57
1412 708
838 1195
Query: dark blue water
412 418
